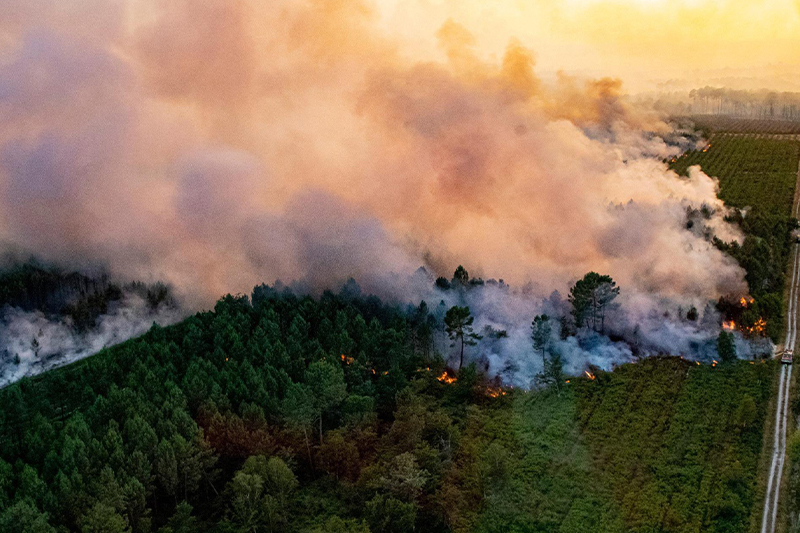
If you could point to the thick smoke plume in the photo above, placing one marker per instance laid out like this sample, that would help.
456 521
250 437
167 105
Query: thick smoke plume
220 144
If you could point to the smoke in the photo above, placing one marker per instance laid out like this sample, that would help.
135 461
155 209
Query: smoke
637 325
31 343
222 145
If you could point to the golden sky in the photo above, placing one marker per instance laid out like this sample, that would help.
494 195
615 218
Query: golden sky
638 40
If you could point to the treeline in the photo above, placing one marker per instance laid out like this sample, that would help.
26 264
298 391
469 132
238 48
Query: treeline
82 298
758 104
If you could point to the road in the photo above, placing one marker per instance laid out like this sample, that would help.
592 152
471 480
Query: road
772 498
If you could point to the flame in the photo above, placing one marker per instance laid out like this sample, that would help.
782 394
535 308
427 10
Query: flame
347 359
567 381
743 301
714 362
589 375
759 327
446 378
495 392
730 326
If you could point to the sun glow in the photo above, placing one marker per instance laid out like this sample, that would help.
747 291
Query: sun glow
637 40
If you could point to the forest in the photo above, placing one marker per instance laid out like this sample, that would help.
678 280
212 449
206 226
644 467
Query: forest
80 298
285 413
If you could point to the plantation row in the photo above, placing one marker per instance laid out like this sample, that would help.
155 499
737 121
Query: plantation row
729 124
755 172
760 174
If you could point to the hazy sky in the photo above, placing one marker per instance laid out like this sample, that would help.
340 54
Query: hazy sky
634 39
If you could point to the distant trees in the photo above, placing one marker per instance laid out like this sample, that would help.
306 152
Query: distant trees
591 298
458 324
460 276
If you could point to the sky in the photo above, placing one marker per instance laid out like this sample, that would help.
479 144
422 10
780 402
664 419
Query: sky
641 41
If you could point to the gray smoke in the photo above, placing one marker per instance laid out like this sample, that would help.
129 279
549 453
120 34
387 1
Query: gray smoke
31 342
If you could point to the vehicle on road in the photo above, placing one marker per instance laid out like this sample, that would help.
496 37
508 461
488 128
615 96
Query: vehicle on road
787 357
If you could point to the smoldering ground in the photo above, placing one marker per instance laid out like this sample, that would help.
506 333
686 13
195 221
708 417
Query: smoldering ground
220 145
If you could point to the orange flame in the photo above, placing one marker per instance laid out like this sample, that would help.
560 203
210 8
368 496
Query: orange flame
347 359
759 326
589 375
495 392
446 378
730 326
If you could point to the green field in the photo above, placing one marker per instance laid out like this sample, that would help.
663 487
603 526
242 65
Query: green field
753 172
659 446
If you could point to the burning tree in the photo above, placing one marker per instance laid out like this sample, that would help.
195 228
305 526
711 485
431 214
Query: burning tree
458 324
591 297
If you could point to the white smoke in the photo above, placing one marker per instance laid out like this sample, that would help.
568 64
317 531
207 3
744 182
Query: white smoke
57 342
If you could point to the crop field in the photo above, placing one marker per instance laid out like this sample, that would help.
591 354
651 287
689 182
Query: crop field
728 124
753 171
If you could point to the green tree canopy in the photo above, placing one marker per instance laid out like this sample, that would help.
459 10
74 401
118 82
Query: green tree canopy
540 334
590 298
458 324
726 348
